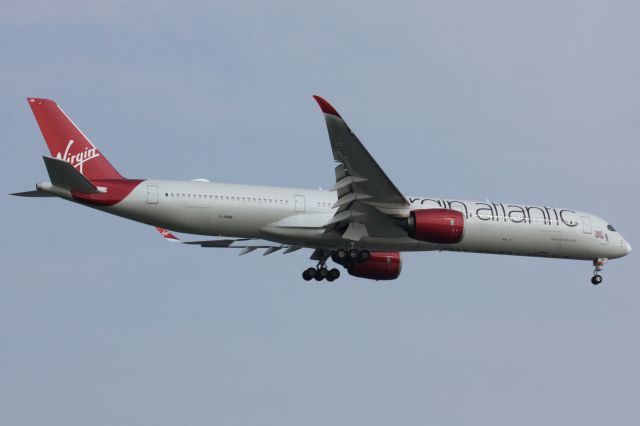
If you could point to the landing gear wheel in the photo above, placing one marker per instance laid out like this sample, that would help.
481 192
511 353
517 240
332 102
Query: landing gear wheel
341 255
323 273
353 254
309 274
334 274
363 256
596 279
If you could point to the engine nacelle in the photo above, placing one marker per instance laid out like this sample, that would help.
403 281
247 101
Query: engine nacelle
440 226
381 265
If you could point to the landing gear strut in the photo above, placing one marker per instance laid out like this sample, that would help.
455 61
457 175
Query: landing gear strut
598 265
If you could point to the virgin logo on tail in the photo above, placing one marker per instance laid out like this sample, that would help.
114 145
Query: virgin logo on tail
77 160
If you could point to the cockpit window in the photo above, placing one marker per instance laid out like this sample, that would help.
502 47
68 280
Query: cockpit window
611 228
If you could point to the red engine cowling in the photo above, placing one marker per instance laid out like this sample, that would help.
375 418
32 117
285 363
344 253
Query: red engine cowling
381 265
441 226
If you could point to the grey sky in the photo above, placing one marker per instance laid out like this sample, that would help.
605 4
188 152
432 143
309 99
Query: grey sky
101 322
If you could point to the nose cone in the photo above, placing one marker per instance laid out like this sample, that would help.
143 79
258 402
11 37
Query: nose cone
628 247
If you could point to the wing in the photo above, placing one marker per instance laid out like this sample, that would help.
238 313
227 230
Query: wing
246 244
366 195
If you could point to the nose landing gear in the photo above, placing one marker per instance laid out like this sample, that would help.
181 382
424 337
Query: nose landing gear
598 266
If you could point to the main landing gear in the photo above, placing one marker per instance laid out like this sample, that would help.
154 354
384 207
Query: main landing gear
344 257
598 265
320 273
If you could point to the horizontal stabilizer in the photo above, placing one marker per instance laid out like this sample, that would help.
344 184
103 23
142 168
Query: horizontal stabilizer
33 194
64 175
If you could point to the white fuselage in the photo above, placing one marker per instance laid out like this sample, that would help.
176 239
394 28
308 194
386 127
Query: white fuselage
296 216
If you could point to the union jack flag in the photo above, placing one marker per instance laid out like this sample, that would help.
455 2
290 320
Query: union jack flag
601 235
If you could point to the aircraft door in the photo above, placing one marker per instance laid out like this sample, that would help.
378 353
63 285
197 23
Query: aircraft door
152 194
299 203
586 224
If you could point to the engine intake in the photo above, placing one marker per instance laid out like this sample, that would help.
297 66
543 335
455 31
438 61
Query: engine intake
440 226
381 265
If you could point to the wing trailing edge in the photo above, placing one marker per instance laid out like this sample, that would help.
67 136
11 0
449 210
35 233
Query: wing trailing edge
247 245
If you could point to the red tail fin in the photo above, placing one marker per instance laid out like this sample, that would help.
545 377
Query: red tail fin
66 141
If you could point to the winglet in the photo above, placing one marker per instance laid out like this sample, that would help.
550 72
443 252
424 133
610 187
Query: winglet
326 106
168 235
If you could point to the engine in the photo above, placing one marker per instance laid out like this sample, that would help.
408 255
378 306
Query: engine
381 265
440 226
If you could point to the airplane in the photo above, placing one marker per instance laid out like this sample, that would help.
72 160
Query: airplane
362 223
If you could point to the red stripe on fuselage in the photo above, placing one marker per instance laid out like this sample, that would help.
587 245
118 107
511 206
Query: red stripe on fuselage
117 190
